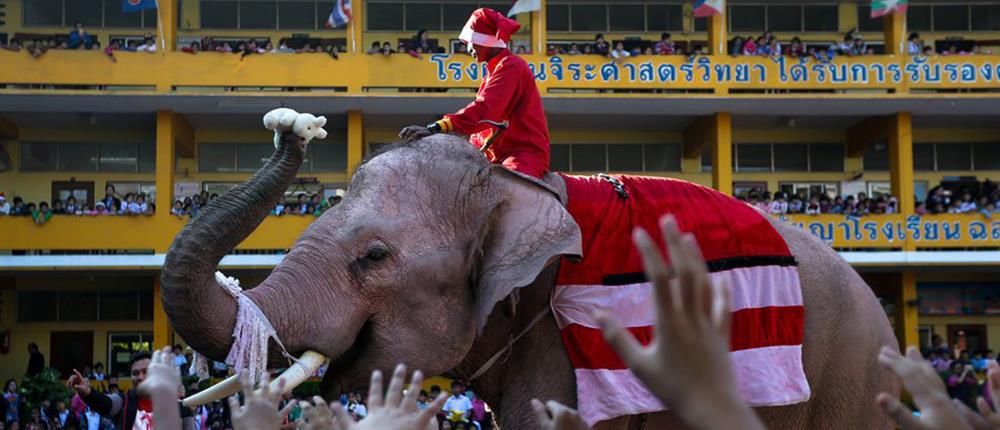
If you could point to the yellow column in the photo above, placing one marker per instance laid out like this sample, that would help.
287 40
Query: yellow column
901 166
167 23
163 334
718 33
539 31
355 139
722 152
355 30
906 311
165 148
895 33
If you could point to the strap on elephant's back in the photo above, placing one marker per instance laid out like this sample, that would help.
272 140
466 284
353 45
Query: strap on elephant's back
505 352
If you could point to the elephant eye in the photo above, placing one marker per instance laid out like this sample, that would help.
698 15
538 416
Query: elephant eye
375 254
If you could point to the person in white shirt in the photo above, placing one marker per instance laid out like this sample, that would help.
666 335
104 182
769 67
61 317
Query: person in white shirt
4 205
458 407
968 205
779 206
179 359
127 203
355 407
913 46
619 53
149 45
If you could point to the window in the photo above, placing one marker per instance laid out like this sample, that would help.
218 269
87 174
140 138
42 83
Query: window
121 346
923 157
865 20
753 157
662 157
219 14
297 15
589 158
38 157
119 157
77 306
918 18
114 17
985 17
701 24
987 156
664 17
250 157
43 12
876 159
627 17
557 17
78 157
954 156
83 11
589 17
119 305
423 16
258 15
820 18
625 158
329 157
559 158
784 18
455 15
37 306
826 157
385 16
951 18
792 157
216 157
810 189
747 18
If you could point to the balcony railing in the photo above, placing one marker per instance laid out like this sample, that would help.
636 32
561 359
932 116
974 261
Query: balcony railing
364 74
278 233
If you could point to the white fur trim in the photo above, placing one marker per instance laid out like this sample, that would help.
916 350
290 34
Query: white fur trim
469 35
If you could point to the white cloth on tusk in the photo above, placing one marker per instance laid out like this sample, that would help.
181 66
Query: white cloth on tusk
199 366
251 333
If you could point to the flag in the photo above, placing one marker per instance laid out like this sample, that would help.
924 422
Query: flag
522 6
137 5
885 7
340 15
705 8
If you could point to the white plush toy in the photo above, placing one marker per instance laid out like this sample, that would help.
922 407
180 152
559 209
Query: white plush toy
303 125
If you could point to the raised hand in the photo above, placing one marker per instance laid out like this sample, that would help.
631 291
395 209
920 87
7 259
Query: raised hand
395 411
318 417
162 377
260 407
79 383
687 365
929 393
553 415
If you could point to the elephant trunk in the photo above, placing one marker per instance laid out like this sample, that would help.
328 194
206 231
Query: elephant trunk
201 311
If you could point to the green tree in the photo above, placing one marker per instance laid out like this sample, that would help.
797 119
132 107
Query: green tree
47 385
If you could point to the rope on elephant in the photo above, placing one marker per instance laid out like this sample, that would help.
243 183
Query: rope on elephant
251 333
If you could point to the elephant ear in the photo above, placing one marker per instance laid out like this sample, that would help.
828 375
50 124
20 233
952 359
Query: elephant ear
529 230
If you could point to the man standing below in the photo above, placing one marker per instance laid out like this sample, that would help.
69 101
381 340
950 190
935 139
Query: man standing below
36 361
507 93
458 407
131 411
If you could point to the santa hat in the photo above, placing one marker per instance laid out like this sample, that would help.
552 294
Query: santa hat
487 27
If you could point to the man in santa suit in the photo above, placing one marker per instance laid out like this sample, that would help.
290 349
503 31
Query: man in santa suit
507 93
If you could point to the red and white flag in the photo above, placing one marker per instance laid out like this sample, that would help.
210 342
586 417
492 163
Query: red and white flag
705 8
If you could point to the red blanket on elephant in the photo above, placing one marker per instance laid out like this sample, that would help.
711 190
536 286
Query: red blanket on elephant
737 242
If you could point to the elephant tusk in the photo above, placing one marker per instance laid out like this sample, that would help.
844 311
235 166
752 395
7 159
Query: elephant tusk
294 376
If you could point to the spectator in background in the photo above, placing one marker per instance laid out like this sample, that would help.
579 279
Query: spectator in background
779 206
307 48
859 47
967 205
458 408
334 201
20 209
79 37
110 50
736 46
36 361
5 207
962 383
376 48
42 215
601 46
914 46
98 374
37 49
71 206
179 359
797 49
124 209
302 203
921 208
387 48
574 49
620 53
420 41
14 45
750 46
12 402
58 209
148 45
588 49
178 208
521 50
193 48
665 46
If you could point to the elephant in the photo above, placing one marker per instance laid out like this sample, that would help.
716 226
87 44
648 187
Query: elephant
437 259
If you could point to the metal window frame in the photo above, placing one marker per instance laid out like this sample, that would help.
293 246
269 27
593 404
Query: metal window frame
767 24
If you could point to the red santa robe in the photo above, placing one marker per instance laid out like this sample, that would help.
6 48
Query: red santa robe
507 93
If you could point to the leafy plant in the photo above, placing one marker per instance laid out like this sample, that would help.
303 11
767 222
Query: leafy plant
47 385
